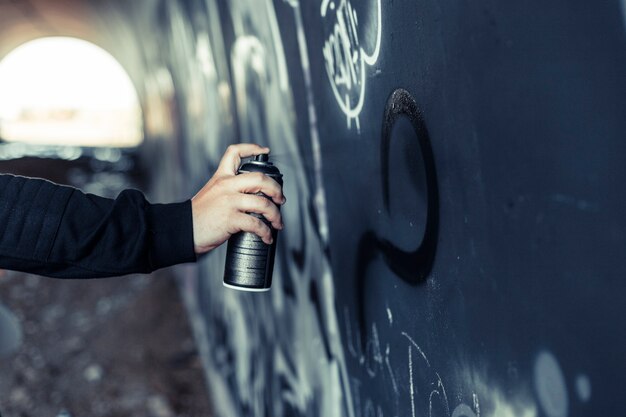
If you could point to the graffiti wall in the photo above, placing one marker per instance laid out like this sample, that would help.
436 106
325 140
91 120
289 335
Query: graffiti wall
455 229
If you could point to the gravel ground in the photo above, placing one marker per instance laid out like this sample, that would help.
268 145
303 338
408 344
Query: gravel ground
106 347
112 347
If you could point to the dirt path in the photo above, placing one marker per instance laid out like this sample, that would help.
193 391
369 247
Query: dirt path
108 347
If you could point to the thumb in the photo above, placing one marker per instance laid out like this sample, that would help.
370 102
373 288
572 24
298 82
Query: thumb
232 157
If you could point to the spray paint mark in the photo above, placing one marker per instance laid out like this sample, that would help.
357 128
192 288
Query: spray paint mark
419 349
373 357
440 391
414 266
391 375
345 58
247 352
550 385
351 347
389 316
583 388
412 390
463 410
342 404
476 404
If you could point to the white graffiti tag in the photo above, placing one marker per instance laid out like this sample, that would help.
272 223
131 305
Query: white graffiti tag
345 58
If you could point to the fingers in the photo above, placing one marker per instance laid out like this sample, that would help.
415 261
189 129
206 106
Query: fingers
250 203
232 157
256 182
247 223
220 208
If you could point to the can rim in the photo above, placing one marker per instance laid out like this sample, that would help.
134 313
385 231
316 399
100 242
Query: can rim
248 289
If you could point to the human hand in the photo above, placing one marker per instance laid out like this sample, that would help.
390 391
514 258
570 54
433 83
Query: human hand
219 208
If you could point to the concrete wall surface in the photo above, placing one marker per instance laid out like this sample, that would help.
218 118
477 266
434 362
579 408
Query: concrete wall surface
454 233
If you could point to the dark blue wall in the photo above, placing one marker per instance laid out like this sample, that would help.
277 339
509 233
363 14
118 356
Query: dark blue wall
455 225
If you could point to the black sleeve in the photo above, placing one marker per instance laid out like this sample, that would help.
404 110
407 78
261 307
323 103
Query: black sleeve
58 231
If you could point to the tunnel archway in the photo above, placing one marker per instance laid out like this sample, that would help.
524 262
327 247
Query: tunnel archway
67 91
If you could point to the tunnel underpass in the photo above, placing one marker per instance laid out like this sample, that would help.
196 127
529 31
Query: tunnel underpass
454 231
70 113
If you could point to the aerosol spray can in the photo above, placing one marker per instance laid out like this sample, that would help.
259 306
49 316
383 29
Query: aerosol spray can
249 260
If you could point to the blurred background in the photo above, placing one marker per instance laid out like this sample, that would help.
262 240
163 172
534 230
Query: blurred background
70 113
454 234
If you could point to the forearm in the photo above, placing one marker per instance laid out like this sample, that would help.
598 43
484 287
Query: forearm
61 232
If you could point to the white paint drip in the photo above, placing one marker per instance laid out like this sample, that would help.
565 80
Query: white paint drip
391 375
351 348
389 316
373 345
476 404
430 401
411 389
443 390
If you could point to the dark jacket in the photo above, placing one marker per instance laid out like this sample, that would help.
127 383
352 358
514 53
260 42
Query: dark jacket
59 231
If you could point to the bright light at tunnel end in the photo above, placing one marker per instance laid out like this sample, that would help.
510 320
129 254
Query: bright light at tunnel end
67 91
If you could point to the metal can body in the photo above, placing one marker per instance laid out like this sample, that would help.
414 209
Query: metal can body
249 260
